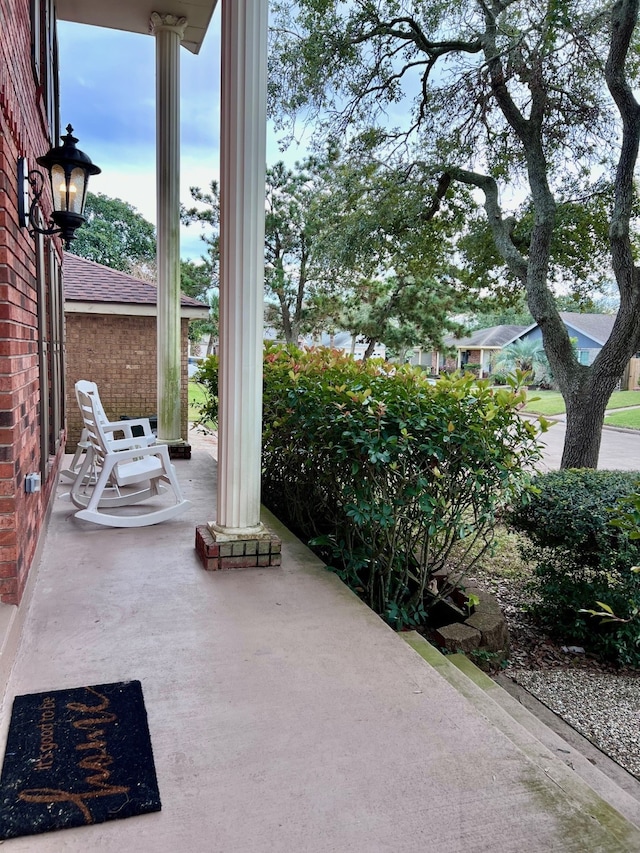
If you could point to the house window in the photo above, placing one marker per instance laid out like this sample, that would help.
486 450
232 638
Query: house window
583 356
44 59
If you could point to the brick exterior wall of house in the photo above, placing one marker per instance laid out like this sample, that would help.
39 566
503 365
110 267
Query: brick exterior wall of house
23 132
118 353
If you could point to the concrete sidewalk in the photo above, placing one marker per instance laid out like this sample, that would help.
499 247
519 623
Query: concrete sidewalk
285 716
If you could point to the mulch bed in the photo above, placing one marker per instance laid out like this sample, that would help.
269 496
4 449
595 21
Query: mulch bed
531 647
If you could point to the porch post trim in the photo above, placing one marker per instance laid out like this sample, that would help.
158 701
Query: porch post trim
168 31
242 181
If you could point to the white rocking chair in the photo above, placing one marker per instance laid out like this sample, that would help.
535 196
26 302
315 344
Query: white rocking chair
115 474
111 429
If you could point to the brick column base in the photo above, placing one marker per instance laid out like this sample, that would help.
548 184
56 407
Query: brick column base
236 553
180 451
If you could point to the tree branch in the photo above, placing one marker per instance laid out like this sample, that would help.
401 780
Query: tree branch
501 228
498 77
624 20
415 34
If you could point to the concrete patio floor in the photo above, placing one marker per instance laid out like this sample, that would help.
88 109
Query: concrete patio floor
284 715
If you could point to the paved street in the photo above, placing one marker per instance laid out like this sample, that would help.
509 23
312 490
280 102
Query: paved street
619 450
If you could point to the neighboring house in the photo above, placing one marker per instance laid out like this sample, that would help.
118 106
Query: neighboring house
589 331
345 342
481 347
111 340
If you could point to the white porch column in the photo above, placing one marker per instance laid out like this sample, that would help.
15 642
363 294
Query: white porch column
168 30
242 204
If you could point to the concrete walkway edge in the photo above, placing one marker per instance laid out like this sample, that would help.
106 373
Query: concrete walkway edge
567 769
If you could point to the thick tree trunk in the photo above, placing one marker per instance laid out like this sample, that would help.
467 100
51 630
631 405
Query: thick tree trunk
585 413
586 392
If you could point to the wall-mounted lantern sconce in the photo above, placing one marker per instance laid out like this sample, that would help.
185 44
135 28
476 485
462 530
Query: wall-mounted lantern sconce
69 170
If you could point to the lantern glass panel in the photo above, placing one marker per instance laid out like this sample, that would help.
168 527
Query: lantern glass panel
59 187
68 195
77 189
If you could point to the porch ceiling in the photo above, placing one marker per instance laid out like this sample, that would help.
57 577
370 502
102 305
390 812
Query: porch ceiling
133 15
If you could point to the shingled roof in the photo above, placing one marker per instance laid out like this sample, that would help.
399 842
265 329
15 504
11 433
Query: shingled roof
494 337
595 326
87 281
598 327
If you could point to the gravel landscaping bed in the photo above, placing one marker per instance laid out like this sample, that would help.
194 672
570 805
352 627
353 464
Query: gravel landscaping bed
604 707
599 700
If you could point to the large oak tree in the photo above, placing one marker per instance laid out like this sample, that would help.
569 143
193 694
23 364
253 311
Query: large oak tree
511 98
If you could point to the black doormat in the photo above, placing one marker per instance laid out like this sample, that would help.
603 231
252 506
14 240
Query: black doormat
76 757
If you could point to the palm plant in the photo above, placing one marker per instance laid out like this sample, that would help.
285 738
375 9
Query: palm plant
528 356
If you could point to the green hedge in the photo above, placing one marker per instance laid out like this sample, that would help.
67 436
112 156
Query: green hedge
384 473
387 473
582 556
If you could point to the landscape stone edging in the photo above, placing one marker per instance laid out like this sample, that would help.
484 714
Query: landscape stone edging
485 629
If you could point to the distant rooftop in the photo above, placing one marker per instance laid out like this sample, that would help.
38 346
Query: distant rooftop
87 281
492 337
596 326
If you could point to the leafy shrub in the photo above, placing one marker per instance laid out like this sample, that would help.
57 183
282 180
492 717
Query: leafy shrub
386 472
581 558
207 376
498 378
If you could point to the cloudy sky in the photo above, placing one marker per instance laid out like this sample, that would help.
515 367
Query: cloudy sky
107 92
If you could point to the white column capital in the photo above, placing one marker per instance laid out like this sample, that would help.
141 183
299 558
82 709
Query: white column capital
159 22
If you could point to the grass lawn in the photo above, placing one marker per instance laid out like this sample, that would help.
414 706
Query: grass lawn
630 419
551 402
196 395
544 403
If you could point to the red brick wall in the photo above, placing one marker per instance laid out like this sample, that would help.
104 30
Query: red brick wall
118 353
23 132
